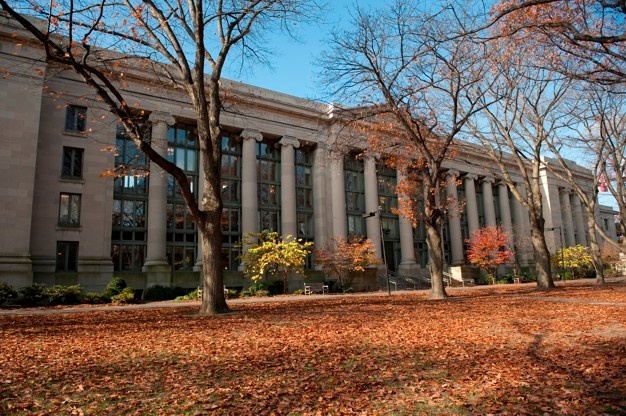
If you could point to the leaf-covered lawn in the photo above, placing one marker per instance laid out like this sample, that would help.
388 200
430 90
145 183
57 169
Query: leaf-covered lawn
481 352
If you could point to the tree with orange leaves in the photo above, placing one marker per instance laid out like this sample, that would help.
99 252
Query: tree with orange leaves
586 39
488 249
408 81
341 256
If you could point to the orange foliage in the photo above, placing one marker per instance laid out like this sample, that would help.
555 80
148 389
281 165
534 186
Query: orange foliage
513 352
418 160
585 38
488 248
341 256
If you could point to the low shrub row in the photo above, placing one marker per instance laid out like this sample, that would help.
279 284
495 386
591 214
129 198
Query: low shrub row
38 294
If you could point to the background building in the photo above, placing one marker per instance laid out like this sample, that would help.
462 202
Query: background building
65 222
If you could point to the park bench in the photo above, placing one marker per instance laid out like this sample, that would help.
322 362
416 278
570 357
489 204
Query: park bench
201 289
310 288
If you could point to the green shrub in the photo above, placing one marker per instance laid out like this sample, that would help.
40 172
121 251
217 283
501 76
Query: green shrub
232 294
255 288
127 295
6 293
34 294
63 295
262 293
115 286
93 298
193 295
158 293
348 290
506 279
298 292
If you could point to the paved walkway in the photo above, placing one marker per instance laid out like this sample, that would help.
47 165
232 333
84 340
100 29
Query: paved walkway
304 298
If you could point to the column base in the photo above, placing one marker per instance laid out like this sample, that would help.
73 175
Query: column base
409 268
158 272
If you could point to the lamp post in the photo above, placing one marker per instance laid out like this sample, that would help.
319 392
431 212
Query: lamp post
382 247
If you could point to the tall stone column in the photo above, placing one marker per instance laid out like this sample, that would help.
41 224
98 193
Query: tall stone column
408 264
197 267
454 219
289 223
338 190
505 212
471 203
249 197
522 229
372 224
568 221
488 205
319 196
579 220
158 271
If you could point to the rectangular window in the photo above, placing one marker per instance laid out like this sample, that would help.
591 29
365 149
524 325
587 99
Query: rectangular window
67 256
69 209
72 162
75 117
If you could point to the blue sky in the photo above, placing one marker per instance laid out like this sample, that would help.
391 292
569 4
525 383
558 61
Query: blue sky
293 70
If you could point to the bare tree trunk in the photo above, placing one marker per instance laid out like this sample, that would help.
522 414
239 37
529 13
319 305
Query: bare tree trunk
213 300
542 255
594 247
435 261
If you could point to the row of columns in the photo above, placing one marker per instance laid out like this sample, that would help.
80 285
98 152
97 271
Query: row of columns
156 261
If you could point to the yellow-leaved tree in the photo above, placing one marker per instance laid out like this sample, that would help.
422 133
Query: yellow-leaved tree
268 252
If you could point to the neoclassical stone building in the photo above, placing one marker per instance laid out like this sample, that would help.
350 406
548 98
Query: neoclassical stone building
64 222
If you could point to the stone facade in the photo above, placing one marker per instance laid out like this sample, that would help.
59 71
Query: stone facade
65 223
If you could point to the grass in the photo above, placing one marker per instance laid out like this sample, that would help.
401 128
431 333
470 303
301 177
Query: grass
495 350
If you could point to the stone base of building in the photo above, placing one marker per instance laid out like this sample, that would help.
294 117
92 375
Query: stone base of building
410 269
157 272
93 275
16 271
365 281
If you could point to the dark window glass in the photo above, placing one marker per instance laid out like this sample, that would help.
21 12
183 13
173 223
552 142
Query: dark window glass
130 206
67 256
72 162
69 209
75 118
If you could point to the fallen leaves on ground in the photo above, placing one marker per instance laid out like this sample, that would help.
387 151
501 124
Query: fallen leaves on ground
492 351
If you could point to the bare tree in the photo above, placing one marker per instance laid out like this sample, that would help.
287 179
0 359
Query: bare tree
608 113
598 140
514 130
402 71
184 44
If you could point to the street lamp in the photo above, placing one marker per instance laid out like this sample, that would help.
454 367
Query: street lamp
382 247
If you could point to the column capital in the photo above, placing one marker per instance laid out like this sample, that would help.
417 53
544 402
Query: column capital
470 176
161 117
452 173
289 141
251 134
487 179
565 191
